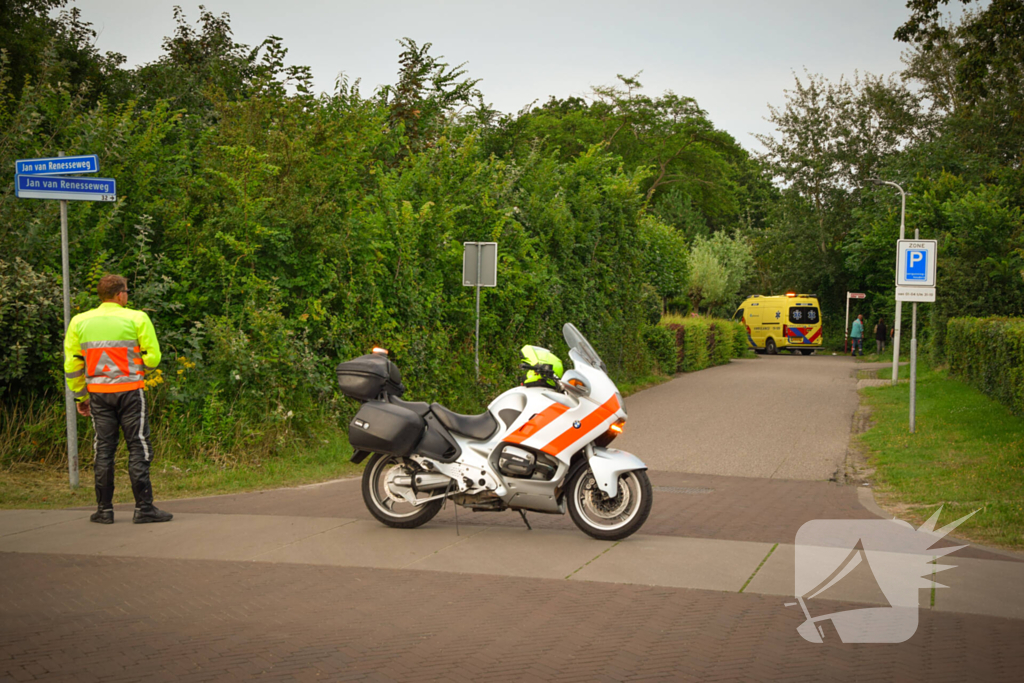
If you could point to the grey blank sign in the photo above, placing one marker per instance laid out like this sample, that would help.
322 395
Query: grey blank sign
487 252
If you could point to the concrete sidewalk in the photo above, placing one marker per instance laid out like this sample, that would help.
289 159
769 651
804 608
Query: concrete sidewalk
985 587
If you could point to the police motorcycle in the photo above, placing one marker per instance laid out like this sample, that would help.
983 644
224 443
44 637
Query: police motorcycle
540 447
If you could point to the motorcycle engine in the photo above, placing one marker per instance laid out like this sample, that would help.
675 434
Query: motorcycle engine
519 462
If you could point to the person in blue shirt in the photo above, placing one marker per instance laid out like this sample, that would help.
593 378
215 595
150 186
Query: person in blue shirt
857 336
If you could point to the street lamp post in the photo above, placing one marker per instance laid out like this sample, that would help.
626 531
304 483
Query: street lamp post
899 304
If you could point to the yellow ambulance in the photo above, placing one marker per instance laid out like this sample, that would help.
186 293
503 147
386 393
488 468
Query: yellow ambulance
792 321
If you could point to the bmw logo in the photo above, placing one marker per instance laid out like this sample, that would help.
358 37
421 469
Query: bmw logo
576 424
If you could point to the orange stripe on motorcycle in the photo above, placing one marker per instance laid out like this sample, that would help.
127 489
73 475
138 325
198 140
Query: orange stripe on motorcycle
574 434
537 423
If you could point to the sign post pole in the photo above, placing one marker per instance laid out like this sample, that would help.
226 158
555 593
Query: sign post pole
57 178
846 325
913 367
69 398
476 353
898 322
915 282
475 273
913 357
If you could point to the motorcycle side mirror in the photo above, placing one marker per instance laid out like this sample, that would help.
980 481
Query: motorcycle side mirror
575 383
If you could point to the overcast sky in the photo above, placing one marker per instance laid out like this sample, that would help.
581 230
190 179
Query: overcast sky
733 56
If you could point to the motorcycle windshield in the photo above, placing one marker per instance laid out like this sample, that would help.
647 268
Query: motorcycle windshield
578 343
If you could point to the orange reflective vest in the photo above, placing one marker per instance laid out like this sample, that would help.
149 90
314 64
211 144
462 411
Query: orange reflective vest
107 350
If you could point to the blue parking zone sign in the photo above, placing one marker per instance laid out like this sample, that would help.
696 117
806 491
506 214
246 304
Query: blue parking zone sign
917 265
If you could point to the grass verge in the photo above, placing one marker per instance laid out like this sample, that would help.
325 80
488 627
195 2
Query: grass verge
638 384
32 486
967 454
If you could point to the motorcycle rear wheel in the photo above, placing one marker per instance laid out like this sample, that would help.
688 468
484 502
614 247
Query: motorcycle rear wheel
387 508
604 518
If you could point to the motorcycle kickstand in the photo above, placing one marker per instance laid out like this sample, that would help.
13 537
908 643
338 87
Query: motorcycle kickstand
522 513
455 506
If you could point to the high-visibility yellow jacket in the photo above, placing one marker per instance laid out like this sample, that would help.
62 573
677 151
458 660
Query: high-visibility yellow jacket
107 349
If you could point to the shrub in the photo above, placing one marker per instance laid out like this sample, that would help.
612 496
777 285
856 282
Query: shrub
650 303
740 344
693 341
662 344
989 354
937 342
703 342
696 345
678 332
30 325
722 348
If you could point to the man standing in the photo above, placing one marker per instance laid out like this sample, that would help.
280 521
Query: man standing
106 351
857 335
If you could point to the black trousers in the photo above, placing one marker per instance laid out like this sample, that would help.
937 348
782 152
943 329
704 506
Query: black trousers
126 411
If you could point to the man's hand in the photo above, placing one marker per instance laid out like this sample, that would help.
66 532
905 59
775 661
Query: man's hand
84 409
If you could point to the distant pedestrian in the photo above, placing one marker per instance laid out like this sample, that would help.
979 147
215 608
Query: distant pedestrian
857 335
106 351
881 335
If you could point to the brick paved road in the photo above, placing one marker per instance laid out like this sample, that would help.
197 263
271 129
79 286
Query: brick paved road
730 508
123 619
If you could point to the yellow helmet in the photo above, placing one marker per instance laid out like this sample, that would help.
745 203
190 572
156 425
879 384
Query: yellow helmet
540 364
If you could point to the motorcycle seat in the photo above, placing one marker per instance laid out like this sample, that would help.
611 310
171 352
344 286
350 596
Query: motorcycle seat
418 407
474 426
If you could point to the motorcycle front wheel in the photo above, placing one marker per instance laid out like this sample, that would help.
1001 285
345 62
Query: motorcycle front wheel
609 519
383 481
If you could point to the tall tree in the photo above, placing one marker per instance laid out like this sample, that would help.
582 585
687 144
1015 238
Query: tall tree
428 96
831 138
974 69
28 32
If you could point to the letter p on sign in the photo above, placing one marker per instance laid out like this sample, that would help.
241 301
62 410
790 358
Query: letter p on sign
917 264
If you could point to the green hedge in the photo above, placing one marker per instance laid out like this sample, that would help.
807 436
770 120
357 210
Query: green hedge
703 342
740 345
722 334
662 345
988 353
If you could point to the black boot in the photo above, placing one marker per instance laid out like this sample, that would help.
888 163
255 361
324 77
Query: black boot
102 516
150 514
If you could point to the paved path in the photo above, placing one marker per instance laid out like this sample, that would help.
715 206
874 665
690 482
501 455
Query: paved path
85 619
301 584
785 417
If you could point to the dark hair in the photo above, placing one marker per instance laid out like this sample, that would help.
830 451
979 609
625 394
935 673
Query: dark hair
110 286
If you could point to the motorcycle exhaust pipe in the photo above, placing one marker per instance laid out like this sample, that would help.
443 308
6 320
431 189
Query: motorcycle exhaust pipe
430 481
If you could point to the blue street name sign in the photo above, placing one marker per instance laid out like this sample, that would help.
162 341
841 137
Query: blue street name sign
74 189
85 163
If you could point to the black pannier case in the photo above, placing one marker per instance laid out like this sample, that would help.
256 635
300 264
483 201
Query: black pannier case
366 377
384 428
